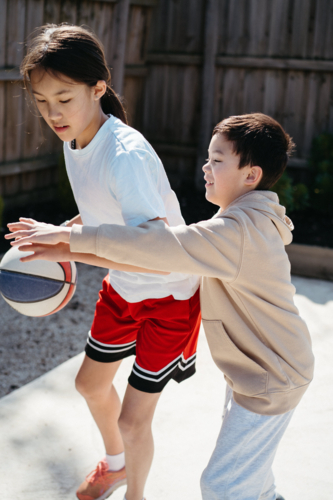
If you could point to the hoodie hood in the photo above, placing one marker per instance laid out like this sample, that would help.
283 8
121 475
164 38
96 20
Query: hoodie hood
268 204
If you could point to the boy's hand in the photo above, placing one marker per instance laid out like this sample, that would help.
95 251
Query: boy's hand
31 231
55 253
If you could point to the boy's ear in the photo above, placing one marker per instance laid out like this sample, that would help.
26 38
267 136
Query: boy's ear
254 176
99 89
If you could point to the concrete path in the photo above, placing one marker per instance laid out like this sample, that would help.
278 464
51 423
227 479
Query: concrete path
48 440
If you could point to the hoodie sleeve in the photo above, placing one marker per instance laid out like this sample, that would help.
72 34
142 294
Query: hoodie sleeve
211 248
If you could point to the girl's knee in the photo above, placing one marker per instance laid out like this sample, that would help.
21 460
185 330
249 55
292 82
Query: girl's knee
87 389
133 427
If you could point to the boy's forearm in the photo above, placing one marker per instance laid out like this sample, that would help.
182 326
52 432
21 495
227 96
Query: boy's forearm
195 249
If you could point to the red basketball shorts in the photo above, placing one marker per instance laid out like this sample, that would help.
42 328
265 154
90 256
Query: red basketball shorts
162 333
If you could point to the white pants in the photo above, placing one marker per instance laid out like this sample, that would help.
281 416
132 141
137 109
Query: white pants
240 467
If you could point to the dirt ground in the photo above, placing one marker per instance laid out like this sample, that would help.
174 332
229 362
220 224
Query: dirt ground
30 347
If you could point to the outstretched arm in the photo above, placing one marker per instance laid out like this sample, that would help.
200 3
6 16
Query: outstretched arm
48 242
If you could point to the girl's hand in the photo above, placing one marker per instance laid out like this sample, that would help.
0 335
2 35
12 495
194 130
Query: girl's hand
55 253
31 231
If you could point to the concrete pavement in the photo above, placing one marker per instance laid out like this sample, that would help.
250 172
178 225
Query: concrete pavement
48 440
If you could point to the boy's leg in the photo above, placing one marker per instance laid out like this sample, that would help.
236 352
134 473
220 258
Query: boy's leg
240 467
94 382
135 426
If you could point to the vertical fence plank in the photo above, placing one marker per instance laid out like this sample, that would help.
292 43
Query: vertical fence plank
320 28
330 110
237 38
122 14
190 110
68 11
275 89
133 96
31 133
300 27
310 117
135 46
3 27
15 32
257 27
324 91
294 106
3 19
223 15
2 120
254 90
14 101
328 50
52 9
277 26
208 86
233 92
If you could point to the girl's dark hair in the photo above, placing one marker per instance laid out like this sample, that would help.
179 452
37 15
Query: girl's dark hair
259 140
77 53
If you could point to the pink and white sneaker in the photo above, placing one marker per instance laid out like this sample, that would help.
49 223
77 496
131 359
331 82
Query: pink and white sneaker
101 483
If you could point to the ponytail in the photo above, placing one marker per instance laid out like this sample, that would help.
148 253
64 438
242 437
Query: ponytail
111 104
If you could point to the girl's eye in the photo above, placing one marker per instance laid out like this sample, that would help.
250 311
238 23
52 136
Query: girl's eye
65 102
38 100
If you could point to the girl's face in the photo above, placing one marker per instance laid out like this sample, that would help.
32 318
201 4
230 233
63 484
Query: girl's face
71 109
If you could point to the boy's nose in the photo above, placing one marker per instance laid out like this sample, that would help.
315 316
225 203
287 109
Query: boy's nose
205 167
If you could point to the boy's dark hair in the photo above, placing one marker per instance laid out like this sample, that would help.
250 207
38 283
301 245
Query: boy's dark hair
76 52
259 140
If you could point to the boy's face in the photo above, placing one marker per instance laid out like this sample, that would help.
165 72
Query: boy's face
224 180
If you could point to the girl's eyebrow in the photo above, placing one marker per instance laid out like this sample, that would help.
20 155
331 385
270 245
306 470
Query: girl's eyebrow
58 93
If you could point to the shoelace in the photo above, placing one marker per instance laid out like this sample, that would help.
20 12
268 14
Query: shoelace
100 470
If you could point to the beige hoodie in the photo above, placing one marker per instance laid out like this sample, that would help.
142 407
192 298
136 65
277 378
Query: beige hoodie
253 327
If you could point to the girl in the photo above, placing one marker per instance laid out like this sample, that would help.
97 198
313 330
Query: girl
117 178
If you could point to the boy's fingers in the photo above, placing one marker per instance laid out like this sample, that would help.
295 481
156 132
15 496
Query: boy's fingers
18 235
30 221
21 240
17 226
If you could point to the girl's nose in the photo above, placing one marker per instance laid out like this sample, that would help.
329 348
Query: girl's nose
205 167
54 113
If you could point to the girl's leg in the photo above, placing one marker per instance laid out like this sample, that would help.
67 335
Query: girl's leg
94 382
135 427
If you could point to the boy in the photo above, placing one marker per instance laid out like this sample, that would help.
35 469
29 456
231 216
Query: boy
253 328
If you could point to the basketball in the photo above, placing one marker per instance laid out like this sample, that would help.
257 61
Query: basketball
36 288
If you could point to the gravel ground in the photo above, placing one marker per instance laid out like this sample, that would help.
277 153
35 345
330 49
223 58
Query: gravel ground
29 347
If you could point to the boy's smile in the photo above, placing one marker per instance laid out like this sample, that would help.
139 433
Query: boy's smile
225 181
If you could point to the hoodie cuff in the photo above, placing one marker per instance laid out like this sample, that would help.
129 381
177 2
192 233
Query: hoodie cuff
83 239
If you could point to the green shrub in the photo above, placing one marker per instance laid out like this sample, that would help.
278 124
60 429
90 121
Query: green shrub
293 197
321 173
65 194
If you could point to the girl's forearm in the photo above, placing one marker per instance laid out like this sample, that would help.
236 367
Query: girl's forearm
76 220
93 260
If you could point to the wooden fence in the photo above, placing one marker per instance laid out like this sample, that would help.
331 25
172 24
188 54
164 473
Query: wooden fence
183 66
